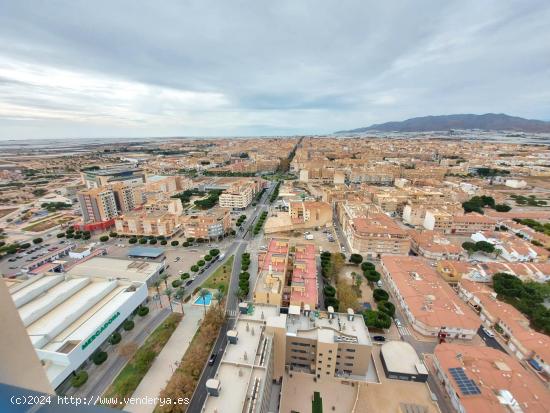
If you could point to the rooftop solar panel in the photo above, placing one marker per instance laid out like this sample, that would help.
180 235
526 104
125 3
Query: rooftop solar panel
466 385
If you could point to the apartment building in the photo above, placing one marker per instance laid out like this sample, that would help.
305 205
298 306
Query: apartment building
239 195
484 379
125 197
438 220
324 344
208 225
522 341
243 381
97 205
102 177
273 267
434 246
138 223
303 280
468 224
429 303
376 235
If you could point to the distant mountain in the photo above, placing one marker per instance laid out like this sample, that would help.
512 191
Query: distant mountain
489 121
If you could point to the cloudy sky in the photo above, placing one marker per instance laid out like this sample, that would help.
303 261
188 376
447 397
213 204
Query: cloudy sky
224 68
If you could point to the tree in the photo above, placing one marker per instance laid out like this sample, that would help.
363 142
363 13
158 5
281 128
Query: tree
214 252
347 297
358 280
469 247
174 243
241 294
386 307
168 293
60 235
164 277
37 240
219 296
185 276
143 240
104 238
157 285
113 234
132 240
372 276
194 268
203 294
336 264
502 208
152 241
367 266
376 319
380 295
356 259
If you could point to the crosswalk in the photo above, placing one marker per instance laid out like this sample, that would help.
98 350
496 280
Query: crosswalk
404 331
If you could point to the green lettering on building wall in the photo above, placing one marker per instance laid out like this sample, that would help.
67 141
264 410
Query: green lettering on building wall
100 330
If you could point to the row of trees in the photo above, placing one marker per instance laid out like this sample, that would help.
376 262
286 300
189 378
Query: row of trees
244 277
527 297
100 356
275 193
260 223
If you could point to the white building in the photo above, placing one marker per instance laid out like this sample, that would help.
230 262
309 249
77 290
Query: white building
68 318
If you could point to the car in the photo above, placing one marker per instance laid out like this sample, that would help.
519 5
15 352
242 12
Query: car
343 249
13 268
488 332
212 359
188 283
62 242
12 259
379 338
397 322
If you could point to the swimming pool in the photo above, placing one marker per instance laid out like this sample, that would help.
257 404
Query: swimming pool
207 300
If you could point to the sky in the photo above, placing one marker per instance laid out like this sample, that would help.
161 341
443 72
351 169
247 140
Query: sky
243 68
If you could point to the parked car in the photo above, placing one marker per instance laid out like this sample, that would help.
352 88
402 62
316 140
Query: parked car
397 322
488 332
188 283
379 338
212 359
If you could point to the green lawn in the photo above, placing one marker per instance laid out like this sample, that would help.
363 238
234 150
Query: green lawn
220 276
131 375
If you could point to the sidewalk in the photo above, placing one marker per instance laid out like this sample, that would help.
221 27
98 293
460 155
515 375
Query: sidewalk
166 362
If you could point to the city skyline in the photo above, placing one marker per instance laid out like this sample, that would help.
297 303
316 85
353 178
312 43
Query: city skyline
209 69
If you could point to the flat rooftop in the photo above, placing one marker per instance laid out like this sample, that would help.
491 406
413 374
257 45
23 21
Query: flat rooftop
116 268
243 368
320 327
146 252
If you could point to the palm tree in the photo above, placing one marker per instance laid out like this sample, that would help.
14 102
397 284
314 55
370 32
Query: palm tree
179 294
219 296
497 252
202 294
168 292
157 285
164 277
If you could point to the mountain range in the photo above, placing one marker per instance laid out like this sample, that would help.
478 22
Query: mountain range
488 121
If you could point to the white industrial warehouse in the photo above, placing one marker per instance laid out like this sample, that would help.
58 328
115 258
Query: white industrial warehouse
68 317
